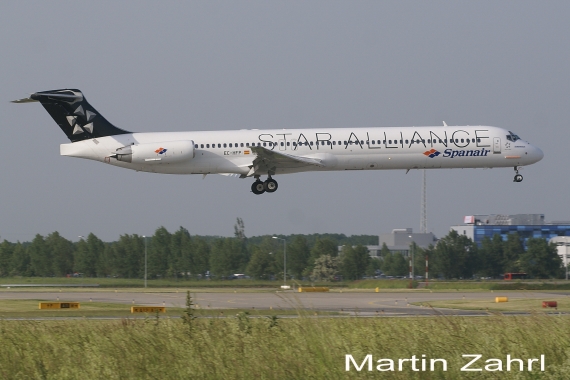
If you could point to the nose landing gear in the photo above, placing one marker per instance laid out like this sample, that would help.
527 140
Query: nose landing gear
260 187
518 177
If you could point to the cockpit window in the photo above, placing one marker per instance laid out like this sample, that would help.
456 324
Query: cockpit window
512 137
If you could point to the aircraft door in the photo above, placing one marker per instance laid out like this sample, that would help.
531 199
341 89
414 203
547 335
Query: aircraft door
496 145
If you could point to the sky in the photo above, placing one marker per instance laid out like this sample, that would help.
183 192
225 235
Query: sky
152 66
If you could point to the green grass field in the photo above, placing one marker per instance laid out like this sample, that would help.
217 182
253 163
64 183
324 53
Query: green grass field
513 304
241 347
29 309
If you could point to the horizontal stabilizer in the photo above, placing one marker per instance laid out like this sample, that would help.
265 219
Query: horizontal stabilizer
25 100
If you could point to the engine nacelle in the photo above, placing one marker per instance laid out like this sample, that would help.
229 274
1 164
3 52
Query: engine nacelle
168 152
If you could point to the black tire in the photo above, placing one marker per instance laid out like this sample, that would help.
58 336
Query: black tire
258 187
518 178
270 185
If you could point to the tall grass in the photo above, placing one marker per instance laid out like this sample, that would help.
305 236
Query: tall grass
240 347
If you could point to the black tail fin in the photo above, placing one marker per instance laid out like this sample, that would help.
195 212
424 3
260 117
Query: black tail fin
74 115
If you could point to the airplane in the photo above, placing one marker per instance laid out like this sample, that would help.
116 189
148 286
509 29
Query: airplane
252 153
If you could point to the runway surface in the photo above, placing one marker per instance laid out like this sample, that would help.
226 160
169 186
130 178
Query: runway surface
360 303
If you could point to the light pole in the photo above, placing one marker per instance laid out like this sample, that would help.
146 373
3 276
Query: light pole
145 267
284 261
412 275
565 257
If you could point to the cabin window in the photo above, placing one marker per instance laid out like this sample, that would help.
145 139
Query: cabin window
334 142
196 146
311 143
225 145
478 140
230 145
201 145
407 142
288 143
462 140
207 145
241 145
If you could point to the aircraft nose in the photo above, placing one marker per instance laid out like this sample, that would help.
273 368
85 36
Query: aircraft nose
536 154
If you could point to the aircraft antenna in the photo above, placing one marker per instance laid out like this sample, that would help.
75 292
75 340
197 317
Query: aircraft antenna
423 211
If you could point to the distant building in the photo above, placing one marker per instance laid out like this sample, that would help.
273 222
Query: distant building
399 241
563 248
477 227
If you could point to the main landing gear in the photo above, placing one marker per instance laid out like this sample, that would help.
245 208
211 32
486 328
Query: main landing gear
518 177
259 187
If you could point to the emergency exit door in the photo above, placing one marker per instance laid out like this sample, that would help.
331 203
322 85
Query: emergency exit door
496 145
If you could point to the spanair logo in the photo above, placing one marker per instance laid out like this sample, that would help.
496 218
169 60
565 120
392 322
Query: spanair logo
432 153
160 150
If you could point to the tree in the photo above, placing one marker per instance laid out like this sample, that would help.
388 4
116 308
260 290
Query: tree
128 256
374 265
87 255
40 257
228 256
541 259
354 261
6 252
298 254
159 257
61 252
239 229
261 263
182 253
454 256
491 256
513 249
399 265
201 257
325 268
21 262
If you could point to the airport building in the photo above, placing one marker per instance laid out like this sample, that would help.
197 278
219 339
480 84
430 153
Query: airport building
399 241
563 248
477 227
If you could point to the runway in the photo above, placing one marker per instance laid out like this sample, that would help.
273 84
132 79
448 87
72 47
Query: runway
359 303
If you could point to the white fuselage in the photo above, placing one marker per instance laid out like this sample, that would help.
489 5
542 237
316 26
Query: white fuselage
336 148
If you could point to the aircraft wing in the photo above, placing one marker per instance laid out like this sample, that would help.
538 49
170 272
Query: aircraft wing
268 161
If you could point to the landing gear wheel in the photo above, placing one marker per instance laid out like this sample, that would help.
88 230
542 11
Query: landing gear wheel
258 187
270 185
518 177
